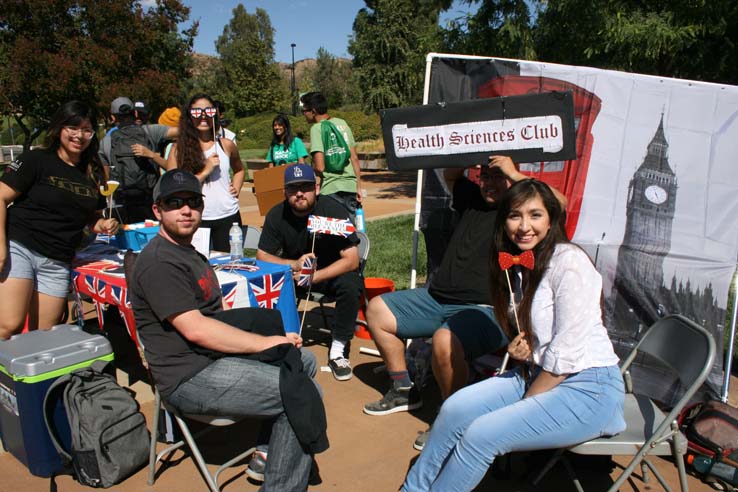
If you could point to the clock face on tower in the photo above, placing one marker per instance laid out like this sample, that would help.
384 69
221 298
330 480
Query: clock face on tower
656 194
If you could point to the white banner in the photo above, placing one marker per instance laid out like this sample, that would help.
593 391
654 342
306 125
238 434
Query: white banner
542 132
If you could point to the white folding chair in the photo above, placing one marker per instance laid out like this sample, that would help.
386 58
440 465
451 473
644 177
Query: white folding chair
189 440
251 236
688 350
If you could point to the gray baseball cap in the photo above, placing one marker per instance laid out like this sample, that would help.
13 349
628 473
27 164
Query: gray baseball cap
121 105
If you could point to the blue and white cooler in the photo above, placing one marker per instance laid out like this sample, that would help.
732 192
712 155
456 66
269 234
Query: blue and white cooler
29 363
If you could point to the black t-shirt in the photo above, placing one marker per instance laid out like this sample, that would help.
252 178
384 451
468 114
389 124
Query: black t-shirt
56 202
285 235
463 276
170 279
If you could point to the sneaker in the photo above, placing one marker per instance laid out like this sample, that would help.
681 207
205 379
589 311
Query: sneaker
419 443
396 400
341 368
257 465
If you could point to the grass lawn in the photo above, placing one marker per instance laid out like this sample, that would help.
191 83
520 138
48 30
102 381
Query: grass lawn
391 251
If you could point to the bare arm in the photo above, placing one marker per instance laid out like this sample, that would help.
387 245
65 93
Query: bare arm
7 196
172 159
239 172
262 255
318 161
506 165
143 151
216 335
357 171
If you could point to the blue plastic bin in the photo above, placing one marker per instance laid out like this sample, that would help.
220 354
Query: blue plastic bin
134 239
29 363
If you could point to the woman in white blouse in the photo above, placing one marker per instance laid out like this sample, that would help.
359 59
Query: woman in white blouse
567 387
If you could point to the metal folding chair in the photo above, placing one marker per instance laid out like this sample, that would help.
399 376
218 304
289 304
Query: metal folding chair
189 440
251 236
689 351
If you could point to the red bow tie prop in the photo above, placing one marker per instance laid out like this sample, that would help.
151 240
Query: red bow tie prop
525 259
506 260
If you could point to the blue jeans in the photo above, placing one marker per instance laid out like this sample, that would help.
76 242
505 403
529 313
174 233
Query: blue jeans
491 418
244 387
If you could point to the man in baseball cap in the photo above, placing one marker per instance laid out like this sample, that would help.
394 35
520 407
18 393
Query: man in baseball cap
121 105
180 318
176 181
286 239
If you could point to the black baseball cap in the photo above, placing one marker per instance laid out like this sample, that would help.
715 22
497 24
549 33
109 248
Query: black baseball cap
175 181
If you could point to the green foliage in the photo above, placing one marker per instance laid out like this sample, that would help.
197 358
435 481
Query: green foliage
52 51
391 38
391 250
497 28
255 132
681 38
332 77
248 80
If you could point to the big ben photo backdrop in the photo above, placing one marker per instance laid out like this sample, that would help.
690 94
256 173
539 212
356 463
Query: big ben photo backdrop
653 193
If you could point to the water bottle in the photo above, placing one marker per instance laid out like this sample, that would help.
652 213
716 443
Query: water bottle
719 470
235 236
360 218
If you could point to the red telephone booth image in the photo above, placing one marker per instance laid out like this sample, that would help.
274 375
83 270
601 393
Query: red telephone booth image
568 177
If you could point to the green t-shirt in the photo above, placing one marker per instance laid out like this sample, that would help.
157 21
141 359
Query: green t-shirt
334 182
279 155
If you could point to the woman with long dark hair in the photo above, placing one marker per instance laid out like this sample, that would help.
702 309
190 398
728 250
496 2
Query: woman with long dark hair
285 148
567 387
55 193
211 159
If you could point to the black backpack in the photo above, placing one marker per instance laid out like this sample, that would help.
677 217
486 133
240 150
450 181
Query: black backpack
137 175
110 440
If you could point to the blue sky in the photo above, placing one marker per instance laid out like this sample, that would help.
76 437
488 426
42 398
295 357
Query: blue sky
309 24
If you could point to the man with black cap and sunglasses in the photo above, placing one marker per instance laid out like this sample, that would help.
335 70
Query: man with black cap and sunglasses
178 306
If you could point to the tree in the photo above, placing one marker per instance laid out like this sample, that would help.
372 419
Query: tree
497 28
332 77
250 81
93 50
679 38
389 44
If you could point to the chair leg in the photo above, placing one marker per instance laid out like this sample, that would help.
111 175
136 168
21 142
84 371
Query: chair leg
547 467
196 455
572 474
647 463
325 317
154 433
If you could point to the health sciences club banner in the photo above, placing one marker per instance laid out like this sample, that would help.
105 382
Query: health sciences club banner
527 128
653 196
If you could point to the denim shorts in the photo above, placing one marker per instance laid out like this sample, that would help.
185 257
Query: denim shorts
418 315
50 277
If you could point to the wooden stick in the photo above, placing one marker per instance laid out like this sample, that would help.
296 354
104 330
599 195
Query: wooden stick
215 140
506 359
310 287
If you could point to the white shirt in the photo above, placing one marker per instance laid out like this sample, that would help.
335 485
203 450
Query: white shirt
568 334
219 203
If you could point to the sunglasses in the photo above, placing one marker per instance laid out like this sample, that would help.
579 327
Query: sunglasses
175 203
210 112
303 187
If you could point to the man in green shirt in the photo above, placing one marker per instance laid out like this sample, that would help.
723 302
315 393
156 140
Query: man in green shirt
344 186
